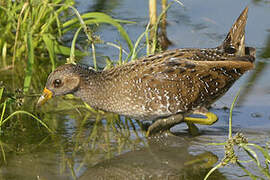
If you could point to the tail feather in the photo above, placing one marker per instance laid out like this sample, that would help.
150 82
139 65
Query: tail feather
234 43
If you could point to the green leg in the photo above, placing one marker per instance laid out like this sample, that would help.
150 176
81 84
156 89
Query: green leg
192 129
162 125
165 124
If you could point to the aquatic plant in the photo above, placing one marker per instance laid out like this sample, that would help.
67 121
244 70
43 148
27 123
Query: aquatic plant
31 34
252 150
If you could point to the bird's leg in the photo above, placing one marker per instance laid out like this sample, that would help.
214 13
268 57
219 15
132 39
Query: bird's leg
162 125
210 119
192 129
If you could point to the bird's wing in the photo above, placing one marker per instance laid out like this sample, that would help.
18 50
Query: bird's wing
194 83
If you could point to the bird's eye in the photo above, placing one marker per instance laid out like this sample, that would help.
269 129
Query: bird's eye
57 83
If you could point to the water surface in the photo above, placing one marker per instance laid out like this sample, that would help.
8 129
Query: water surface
121 151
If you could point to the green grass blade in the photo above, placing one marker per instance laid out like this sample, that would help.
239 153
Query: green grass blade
147 41
19 19
103 18
59 49
2 114
263 151
156 29
231 110
50 47
134 52
97 18
120 59
30 62
1 92
94 15
212 170
72 51
29 114
3 153
94 56
120 48
4 54
252 176
252 154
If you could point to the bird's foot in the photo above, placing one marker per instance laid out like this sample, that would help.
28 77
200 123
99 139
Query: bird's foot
210 119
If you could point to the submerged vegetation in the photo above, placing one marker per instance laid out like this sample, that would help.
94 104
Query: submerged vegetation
35 37
33 34
33 41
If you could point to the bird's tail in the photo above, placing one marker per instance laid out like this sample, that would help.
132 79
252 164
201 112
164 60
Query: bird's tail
234 43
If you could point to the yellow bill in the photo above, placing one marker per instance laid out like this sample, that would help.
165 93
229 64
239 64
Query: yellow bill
46 95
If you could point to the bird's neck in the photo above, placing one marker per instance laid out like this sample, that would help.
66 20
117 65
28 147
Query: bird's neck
93 89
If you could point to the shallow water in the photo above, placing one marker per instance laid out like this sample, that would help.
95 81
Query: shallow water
86 146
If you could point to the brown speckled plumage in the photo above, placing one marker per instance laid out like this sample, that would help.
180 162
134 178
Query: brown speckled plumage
162 85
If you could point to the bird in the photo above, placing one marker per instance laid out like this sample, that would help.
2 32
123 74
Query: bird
165 87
